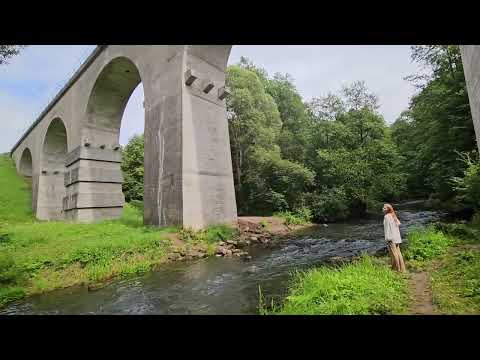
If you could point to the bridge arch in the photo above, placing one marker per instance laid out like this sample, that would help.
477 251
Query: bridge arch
25 167
51 187
110 94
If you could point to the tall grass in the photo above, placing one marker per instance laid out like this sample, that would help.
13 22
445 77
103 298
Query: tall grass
15 199
359 288
456 284
426 243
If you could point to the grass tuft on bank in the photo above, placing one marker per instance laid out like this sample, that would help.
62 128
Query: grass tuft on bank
362 287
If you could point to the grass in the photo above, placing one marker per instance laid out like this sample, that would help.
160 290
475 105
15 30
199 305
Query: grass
208 237
456 283
427 243
450 254
360 288
15 199
302 216
40 256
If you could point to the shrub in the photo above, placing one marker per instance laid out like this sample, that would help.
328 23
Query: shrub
9 294
459 231
328 206
426 243
10 272
209 235
300 217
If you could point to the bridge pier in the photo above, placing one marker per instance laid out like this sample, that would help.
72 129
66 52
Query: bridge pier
471 67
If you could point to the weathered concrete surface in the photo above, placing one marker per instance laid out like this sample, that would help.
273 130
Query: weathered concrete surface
471 67
73 146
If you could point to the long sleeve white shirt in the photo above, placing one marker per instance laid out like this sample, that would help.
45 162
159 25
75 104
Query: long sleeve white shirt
392 230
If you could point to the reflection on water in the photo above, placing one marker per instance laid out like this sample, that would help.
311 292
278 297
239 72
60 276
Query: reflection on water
223 285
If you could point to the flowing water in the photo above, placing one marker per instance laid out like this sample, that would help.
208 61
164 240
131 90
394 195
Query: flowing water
224 285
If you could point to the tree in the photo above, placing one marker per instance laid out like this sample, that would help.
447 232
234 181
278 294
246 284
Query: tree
133 168
437 125
8 51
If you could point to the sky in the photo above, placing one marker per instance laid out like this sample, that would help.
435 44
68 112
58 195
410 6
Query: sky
34 77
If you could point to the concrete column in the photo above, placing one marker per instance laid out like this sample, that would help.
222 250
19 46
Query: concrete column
93 180
208 189
471 67
163 147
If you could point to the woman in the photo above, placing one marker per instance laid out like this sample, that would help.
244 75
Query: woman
392 237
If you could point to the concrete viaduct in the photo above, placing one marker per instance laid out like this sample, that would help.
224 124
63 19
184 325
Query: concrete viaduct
72 150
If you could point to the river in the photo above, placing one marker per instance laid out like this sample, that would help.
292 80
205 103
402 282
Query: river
224 285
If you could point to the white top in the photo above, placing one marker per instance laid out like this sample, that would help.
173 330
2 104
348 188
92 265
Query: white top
392 230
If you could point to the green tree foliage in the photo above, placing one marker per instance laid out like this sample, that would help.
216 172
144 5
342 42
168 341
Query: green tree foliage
353 155
8 51
467 186
264 180
133 169
437 125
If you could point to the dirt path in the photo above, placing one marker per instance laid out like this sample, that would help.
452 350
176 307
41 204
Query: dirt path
422 297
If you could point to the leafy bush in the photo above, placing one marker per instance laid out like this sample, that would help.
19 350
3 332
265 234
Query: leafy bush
426 243
299 217
359 288
328 206
10 273
459 231
9 294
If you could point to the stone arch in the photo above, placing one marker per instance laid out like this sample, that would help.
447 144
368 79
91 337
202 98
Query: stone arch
51 187
109 96
25 167
55 146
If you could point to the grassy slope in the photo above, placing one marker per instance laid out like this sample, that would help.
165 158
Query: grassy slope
41 256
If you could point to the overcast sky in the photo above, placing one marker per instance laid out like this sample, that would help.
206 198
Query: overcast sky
33 78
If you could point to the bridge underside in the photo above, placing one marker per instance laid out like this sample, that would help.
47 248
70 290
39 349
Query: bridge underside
72 152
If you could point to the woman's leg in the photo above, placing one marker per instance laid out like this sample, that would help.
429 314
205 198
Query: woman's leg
400 259
393 255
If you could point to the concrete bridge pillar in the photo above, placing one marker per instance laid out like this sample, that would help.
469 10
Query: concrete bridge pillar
471 67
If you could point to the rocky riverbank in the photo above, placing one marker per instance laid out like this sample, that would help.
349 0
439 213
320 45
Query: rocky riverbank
252 231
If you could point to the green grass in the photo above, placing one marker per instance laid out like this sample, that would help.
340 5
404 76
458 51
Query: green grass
359 288
456 283
450 254
40 256
426 243
15 199
208 237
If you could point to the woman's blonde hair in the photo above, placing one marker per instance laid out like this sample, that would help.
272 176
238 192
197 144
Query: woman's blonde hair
390 210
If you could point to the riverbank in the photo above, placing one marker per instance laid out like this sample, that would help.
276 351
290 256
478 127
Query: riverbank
38 256
443 266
